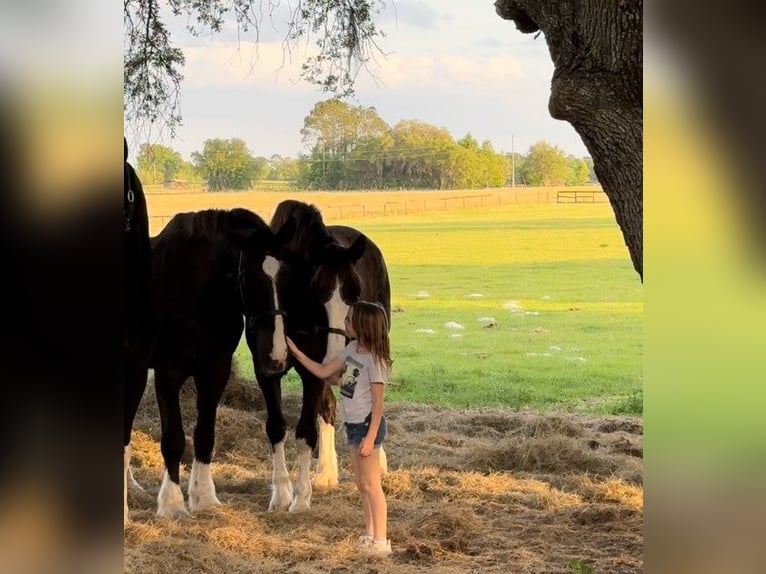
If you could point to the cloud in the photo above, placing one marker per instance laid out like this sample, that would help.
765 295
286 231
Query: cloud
415 13
231 64
445 71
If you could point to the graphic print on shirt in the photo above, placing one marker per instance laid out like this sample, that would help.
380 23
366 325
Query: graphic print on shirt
349 380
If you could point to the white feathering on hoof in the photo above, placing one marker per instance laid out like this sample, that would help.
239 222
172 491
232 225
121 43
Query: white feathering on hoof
202 494
302 499
281 487
327 464
170 500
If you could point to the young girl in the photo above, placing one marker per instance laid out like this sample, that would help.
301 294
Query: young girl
365 364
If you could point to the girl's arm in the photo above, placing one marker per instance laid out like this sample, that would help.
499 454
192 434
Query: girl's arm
368 443
321 370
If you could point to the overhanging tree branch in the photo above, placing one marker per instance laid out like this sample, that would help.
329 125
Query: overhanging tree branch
343 33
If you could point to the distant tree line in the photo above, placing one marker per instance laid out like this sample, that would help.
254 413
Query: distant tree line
351 147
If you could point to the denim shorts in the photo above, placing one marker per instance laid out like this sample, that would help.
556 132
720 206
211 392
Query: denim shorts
357 431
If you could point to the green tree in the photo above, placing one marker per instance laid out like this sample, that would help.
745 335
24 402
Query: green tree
333 130
469 142
579 172
283 168
515 168
157 163
227 164
260 168
420 154
545 165
496 167
189 172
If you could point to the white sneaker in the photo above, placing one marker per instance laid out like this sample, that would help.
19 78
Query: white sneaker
379 548
364 540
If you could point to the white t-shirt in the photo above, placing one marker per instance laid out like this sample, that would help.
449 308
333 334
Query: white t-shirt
358 374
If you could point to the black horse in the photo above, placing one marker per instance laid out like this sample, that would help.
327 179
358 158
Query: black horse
328 269
136 319
202 263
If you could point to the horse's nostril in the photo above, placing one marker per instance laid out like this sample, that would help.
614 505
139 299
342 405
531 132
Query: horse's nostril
275 366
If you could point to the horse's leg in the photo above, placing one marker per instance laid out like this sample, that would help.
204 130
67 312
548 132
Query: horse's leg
383 460
276 430
170 500
134 386
327 464
134 484
210 384
306 437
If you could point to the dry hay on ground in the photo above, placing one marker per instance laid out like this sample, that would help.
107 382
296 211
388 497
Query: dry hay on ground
491 490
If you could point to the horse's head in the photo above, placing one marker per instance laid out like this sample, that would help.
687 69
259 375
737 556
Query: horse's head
335 285
322 283
260 271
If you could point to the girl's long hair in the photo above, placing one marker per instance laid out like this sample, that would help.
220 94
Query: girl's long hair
371 326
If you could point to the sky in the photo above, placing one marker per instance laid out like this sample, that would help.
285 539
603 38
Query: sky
449 63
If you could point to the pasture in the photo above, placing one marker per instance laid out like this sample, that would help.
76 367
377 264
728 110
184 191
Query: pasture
517 340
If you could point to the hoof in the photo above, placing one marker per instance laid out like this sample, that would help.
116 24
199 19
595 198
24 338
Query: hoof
170 500
172 513
300 505
281 497
206 503
325 481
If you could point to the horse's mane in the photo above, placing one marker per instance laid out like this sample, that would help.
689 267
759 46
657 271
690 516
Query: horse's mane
310 233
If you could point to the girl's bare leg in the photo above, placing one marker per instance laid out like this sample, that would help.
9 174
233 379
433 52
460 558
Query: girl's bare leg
369 482
355 458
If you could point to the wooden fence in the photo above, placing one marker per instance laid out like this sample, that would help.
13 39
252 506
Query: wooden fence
348 205
581 197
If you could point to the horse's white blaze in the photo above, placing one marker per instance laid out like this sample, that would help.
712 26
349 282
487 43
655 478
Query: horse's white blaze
327 465
278 344
302 500
126 464
170 500
336 314
201 487
281 487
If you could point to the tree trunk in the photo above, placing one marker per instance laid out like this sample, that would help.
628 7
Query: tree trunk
596 47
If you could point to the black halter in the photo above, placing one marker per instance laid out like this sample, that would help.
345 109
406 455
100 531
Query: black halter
317 330
130 198
252 320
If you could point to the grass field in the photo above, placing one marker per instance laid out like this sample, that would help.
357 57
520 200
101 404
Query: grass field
528 305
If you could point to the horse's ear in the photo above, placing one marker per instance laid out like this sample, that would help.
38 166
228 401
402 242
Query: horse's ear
356 249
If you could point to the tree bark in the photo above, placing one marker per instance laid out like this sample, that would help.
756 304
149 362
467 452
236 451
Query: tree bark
596 47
